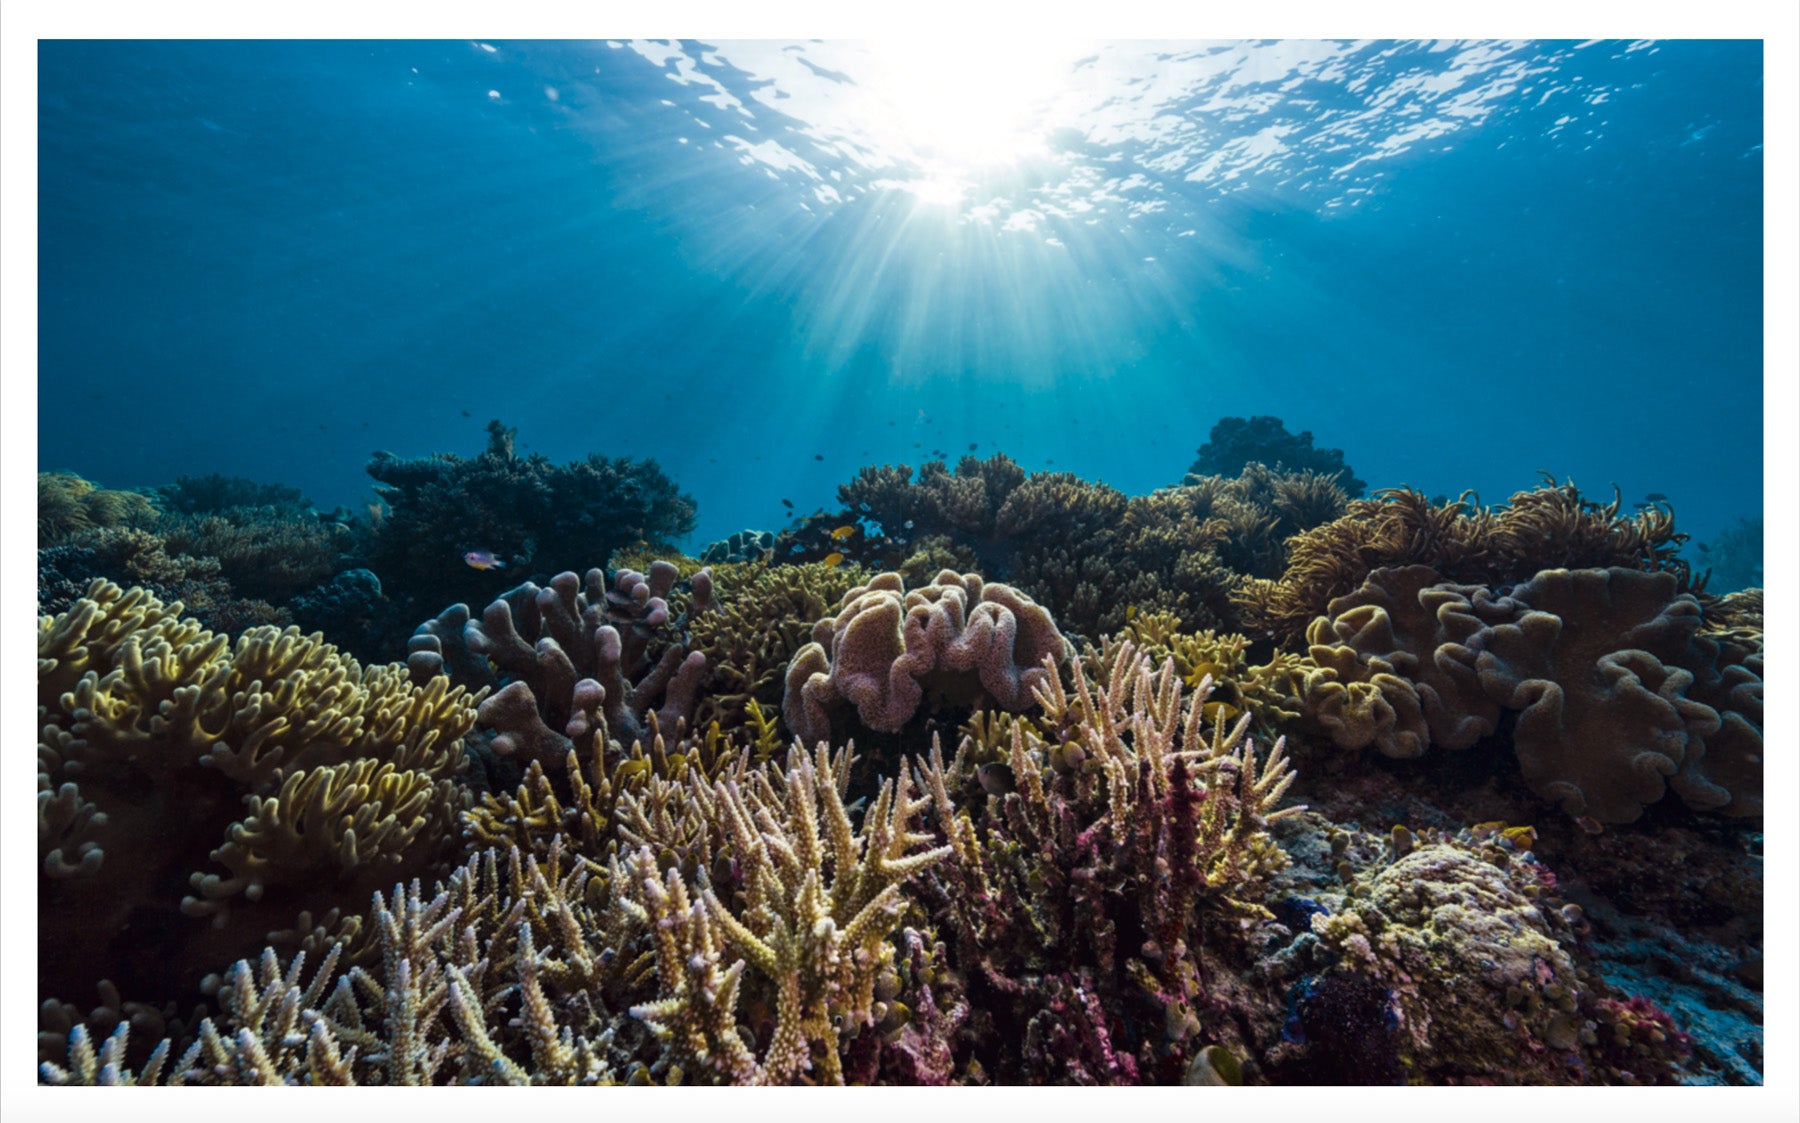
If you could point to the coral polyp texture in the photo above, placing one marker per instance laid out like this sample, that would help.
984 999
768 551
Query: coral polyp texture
198 798
958 639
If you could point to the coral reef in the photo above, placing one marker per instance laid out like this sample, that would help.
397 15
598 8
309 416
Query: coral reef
1237 441
198 798
885 651
744 546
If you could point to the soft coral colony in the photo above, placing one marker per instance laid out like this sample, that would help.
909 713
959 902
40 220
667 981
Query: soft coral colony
1249 781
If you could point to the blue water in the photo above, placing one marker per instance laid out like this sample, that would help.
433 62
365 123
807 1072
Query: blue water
1459 263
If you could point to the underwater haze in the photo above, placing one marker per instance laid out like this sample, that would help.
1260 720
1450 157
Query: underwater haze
768 264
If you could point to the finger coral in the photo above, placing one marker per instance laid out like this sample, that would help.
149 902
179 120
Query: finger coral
268 778
958 638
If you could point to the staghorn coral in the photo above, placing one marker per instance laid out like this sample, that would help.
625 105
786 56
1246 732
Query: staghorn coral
1386 670
1080 895
1620 698
526 510
1546 527
268 778
957 639
804 925
511 972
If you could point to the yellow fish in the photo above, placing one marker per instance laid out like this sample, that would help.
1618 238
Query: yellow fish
1213 711
834 558
843 532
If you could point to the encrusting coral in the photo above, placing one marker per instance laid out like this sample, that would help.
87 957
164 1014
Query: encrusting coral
958 639
274 779
1478 967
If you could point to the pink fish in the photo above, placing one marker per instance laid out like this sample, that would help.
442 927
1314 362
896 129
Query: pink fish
483 559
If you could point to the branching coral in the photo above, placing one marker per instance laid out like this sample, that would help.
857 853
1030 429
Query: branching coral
1269 692
1081 898
885 650
267 777
805 924
762 615
510 973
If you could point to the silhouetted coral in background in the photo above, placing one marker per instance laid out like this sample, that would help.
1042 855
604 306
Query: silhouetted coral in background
532 515
1237 441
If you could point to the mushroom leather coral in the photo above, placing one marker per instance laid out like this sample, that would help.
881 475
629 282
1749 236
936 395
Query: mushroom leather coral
885 647
1387 671
1603 666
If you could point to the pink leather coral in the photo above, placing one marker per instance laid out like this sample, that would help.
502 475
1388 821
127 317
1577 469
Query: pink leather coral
885 648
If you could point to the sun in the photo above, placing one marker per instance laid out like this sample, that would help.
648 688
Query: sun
963 105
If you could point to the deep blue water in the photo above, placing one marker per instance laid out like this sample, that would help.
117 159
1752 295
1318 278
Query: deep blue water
1459 263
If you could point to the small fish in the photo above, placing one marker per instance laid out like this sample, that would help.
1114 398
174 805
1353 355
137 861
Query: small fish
1701 546
1047 460
1219 712
843 532
818 456
483 559
833 559
973 446
466 413
1657 497
908 525
1590 824
996 778
789 503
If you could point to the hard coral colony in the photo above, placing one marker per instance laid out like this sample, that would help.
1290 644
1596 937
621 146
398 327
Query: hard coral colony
990 777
